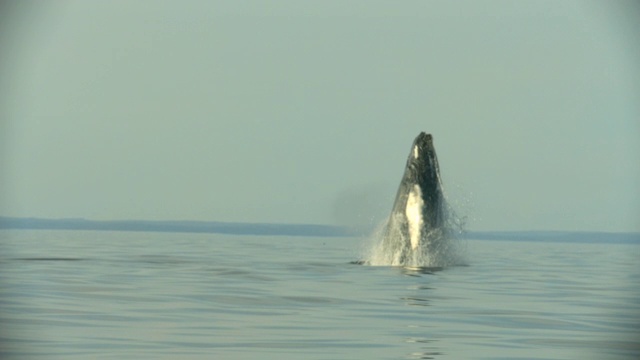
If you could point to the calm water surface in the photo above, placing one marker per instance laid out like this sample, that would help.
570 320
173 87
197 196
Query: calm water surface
128 295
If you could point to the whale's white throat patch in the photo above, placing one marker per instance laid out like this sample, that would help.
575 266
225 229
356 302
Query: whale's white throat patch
415 151
414 215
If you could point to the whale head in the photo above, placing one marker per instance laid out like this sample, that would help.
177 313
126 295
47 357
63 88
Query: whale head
422 164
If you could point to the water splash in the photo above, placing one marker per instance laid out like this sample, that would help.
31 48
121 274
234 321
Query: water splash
439 247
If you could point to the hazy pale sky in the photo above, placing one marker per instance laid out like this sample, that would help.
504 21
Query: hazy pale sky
304 111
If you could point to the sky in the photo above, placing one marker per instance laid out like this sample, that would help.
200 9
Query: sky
305 111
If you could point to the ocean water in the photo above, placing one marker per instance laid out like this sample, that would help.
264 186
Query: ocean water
146 295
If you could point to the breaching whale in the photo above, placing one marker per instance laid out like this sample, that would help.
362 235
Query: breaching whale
417 227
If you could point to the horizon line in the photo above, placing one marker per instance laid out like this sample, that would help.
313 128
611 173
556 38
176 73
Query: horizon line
292 229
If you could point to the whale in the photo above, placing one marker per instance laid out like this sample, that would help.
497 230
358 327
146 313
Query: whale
417 228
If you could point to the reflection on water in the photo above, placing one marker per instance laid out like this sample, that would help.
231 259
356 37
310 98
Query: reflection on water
418 295
79 295
420 270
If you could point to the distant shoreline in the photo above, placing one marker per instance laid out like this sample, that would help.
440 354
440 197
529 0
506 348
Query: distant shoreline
176 226
274 229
